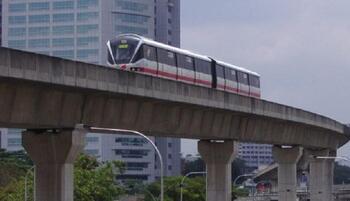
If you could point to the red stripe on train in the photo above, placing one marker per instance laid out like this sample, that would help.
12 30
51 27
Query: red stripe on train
189 79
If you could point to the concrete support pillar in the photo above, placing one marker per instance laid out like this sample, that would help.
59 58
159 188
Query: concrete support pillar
218 157
287 159
321 175
53 153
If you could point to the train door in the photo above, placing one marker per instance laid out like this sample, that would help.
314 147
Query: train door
185 70
231 84
243 83
166 64
203 73
254 83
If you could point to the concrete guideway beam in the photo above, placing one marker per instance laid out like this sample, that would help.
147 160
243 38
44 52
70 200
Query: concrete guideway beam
53 154
321 174
218 157
287 159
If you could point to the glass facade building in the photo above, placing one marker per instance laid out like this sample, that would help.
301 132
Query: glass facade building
78 30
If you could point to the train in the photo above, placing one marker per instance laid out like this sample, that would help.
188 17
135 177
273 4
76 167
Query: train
131 52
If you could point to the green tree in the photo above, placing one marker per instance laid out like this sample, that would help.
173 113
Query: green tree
341 174
93 181
13 165
193 189
238 167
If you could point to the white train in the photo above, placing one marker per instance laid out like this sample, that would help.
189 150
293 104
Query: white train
135 53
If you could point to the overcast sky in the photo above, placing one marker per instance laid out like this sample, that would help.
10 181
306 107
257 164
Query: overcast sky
301 48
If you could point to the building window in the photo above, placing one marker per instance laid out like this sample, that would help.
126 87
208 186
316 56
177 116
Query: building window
127 153
66 17
87 3
17 32
131 6
59 5
37 6
88 16
170 167
91 152
62 30
87 139
39 31
169 156
20 44
14 142
39 18
131 29
84 29
17 19
86 41
170 144
63 42
84 54
18 7
36 43
130 18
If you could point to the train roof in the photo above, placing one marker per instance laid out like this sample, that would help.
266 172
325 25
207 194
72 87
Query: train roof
187 52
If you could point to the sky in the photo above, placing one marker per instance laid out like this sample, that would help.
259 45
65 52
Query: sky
301 49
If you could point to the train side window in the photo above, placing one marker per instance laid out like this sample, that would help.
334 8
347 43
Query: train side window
243 78
231 74
254 81
185 62
220 71
203 66
149 53
166 57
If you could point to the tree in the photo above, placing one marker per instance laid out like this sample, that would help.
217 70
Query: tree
13 165
193 189
198 165
93 181
341 174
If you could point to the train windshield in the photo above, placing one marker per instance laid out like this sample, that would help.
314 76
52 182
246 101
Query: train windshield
122 50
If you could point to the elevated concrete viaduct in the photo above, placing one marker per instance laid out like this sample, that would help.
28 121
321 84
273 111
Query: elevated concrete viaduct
39 91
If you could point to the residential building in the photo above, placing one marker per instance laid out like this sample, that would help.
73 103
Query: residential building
255 155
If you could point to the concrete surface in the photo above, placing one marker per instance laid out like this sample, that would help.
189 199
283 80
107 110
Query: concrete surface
218 157
33 86
287 159
53 155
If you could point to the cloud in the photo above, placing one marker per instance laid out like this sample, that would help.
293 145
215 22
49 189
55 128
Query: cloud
301 48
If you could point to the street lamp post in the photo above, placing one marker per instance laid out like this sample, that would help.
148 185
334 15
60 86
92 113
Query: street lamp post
118 131
25 183
183 179
333 158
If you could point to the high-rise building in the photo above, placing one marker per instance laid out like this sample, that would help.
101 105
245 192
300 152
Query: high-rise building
0 21
167 22
75 29
78 30
255 155
170 150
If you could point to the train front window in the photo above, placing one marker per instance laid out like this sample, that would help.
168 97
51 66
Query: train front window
123 49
